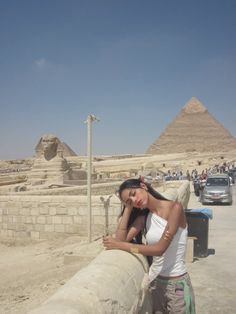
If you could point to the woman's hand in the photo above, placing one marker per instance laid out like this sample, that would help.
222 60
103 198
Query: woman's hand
111 243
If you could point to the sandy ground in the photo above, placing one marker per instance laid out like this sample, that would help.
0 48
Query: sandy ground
32 271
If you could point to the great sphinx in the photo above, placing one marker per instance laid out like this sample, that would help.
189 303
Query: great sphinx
49 167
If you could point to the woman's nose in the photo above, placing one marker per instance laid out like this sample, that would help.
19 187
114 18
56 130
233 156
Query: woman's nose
133 199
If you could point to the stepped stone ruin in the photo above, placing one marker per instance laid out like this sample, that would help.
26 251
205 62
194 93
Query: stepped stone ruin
193 130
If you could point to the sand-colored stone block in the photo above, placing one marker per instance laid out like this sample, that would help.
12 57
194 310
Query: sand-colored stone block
34 234
41 220
190 250
59 228
57 220
61 211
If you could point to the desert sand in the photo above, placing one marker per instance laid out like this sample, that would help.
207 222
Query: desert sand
32 271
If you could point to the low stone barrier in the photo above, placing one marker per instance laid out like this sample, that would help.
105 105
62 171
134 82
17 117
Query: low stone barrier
45 217
48 216
114 282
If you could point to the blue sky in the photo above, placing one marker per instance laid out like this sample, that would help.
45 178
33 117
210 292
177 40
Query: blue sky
132 63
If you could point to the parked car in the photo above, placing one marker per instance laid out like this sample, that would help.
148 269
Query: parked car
218 189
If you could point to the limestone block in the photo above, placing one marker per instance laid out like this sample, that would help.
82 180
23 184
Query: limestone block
67 220
5 211
29 227
100 220
78 220
24 211
61 211
57 220
49 235
21 234
80 230
3 233
21 227
70 228
83 210
20 219
41 220
49 220
190 249
29 220
10 233
59 228
12 226
52 211
39 227
34 234
49 228
5 218
34 212
72 211
14 210
9 219
98 210
44 211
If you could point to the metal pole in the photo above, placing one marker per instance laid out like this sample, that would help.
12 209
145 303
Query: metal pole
89 167
89 121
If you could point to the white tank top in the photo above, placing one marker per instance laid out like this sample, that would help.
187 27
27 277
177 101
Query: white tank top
172 262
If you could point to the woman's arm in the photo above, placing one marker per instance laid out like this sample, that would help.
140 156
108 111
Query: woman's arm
125 233
135 228
122 228
158 248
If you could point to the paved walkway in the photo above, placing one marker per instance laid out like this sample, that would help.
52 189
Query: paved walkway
214 277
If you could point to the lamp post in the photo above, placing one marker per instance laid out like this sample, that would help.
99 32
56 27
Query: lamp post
89 121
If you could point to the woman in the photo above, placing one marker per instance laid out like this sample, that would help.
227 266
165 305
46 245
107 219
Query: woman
166 236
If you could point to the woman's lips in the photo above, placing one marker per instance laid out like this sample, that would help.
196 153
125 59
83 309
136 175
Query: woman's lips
139 204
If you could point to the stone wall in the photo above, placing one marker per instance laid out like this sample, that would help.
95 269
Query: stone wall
42 217
48 216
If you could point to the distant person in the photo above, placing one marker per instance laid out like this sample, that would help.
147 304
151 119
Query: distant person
188 175
166 235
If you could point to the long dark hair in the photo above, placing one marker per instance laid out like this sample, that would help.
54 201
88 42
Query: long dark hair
135 184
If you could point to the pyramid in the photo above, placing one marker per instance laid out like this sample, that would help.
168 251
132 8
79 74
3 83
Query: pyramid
193 130
67 151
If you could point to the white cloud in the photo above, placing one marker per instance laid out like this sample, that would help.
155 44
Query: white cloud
40 63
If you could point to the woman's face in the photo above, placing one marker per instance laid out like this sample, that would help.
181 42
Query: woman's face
135 197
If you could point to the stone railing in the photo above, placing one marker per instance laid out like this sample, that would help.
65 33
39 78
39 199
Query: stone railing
114 282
